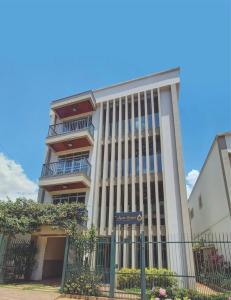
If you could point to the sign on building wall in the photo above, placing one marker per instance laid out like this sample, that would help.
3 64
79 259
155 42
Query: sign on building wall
123 218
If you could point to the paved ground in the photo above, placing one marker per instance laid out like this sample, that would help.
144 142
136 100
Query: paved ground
18 294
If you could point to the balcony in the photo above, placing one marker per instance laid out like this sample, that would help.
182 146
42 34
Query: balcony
76 105
71 135
65 175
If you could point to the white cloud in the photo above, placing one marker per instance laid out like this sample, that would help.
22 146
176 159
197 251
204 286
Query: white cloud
14 182
191 178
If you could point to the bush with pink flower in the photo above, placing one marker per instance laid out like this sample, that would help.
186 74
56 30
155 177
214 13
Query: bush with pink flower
159 293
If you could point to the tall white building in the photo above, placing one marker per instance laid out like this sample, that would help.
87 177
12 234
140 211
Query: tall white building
210 200
118 149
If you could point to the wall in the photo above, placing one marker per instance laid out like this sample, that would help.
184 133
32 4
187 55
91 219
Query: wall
214 215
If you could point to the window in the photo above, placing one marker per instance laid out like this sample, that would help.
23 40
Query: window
200 202
191 213
77 197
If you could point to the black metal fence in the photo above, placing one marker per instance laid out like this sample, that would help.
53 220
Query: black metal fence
17 259
103 269
206 276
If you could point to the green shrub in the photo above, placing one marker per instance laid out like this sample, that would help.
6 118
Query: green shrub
185 294
160 278
130 278
83 283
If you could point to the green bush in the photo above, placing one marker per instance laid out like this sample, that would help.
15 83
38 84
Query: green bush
130 278
160 278
83 283
185 294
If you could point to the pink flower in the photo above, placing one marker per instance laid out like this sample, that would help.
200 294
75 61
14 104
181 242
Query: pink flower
162 292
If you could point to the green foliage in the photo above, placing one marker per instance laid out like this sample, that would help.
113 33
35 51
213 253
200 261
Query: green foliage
83 245
83 283
185 294
19 260
160 277
130 278
26 216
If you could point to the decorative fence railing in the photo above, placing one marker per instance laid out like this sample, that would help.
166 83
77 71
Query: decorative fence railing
103 269
17 259
67 166
71 126
206 276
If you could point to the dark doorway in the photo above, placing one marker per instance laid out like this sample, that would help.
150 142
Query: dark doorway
53 258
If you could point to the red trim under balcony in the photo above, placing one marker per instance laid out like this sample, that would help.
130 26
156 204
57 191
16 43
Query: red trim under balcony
76 105
63 187
73 144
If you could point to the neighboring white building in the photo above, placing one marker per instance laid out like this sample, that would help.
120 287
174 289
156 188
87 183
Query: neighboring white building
118 149
210 200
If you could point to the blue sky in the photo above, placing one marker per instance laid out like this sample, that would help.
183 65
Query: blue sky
51 49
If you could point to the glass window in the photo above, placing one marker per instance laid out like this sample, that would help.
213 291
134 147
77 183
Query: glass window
70 198
144 165
137 166
157 121
149 121
159 164
200 202
151 157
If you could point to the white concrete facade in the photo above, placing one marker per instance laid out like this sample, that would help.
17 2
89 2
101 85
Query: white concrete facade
136 164
209 202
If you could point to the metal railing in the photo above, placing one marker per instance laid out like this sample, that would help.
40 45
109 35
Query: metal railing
67 166
70 126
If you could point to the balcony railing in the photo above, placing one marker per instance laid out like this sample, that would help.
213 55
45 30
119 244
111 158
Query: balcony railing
71 126
67 166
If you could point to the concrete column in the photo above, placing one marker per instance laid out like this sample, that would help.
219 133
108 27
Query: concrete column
150 252
133 180
39 258
172 207
140 162
112 173
158 231
125 252
119 174
189 265
105 175
98 169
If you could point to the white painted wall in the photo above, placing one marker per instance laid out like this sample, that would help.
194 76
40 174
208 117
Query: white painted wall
214 216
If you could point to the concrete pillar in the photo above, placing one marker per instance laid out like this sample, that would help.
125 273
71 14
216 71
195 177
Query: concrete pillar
158 231
112 173
98 169
150 252
105 175
140 162
125 252
119 174
133 179
38 270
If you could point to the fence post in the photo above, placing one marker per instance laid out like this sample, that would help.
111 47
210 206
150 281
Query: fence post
112 266
143 281
65 261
